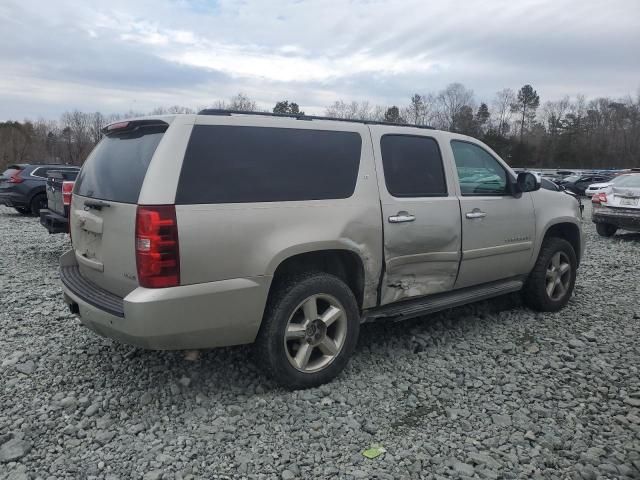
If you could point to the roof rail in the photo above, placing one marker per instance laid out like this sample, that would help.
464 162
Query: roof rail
221 112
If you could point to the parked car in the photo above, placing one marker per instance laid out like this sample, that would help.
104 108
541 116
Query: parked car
226 228
23 186
55 218
554 187
579 183
600 187
618 206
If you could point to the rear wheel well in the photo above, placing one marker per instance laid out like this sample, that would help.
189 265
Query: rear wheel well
567 231
344 264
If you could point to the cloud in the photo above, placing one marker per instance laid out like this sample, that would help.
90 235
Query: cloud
69 54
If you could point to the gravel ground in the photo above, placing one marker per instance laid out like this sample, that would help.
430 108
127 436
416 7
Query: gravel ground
485 391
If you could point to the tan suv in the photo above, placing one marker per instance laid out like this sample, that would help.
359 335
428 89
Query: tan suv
226 228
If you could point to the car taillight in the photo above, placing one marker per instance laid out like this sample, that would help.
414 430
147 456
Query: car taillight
599 198
15 178
67 188
157 251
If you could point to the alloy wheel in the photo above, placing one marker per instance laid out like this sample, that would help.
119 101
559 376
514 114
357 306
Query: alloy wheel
315 333
558 278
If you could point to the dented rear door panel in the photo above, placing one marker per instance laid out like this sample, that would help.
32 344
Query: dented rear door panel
421 256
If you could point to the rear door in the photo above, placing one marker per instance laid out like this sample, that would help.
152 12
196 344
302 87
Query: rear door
498 229
420 214
103 210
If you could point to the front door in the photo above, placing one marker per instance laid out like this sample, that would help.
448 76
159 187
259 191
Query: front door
498 229
421 216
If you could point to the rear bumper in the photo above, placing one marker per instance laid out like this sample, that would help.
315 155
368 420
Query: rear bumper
11 199
625 219
205 315
53 222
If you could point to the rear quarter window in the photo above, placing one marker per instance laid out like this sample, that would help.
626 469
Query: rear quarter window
10 172
231 164
117 166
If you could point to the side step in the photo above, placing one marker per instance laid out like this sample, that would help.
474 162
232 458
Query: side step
434 303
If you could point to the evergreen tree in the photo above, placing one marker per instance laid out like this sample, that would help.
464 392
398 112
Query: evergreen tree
526 105
287 108
392 115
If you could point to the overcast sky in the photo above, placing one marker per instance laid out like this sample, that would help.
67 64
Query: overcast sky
118 55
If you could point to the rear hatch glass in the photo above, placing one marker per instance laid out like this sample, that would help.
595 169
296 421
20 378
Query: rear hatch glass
8 173
103 211
117 166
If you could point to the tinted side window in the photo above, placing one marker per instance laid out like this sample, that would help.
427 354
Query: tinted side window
230 164
117 166
40 172
412 166
479 173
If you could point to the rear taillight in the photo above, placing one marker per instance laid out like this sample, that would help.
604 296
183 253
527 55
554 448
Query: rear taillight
67 189
15 178
599 198
157 251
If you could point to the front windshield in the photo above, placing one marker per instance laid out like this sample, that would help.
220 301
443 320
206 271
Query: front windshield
572 178
631 181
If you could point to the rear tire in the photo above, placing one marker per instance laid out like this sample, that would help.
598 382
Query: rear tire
309 330
550 283
38 203
606 229
22 210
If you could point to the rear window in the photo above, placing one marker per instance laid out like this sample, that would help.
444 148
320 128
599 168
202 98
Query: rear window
10 172
116 168
230 164
631 181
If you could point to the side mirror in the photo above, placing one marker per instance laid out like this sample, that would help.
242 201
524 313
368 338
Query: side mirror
528 182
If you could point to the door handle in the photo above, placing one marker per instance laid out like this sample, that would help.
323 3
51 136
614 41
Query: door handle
475 214
401 217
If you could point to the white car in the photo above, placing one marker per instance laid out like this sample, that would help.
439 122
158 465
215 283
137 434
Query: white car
618 207
601 187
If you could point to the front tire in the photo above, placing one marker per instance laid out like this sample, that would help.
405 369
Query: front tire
309 330
606 229
550 283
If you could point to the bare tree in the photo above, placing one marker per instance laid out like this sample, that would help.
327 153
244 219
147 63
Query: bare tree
502 110
76 132
97 123
242 103
451 101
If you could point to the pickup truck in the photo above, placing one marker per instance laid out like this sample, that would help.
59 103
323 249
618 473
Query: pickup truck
55 218
289 232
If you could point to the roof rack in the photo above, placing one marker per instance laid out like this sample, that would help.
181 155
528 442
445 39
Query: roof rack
221 112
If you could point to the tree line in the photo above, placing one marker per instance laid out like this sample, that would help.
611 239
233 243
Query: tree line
567 133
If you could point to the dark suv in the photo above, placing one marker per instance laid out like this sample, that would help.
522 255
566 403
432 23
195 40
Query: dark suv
23 186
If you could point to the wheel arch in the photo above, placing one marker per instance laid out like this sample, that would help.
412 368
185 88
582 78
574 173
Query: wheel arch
344 263
37 191
567 230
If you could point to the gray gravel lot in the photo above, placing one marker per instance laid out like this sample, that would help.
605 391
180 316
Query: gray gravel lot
485 391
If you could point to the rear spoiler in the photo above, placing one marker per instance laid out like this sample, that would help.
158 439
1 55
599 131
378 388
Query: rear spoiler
127 126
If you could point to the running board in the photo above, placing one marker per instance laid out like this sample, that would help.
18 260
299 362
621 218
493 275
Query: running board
441 301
